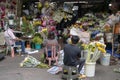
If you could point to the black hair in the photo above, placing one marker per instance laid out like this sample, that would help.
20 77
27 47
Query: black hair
75 39
11 26
85 28
51 35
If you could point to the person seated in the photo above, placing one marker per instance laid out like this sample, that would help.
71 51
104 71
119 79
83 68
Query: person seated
72 54
49 43
12 39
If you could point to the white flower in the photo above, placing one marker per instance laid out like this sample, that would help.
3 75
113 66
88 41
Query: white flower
21 64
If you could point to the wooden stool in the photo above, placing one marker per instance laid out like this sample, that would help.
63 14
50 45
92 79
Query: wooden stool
70 73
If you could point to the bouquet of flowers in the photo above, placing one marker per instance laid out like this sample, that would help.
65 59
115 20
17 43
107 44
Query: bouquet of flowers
31 62
95 49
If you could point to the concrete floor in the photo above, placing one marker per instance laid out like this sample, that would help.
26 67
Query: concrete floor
10 70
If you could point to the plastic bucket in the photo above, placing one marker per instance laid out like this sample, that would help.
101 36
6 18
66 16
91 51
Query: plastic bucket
37 46
32 45
105 59
90 69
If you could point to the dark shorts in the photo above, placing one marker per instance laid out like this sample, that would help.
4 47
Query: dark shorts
49 54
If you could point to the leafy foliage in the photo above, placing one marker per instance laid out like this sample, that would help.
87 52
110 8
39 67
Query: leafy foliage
37 40
27 27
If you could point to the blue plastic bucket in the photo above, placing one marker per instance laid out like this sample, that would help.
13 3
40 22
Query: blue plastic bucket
38 46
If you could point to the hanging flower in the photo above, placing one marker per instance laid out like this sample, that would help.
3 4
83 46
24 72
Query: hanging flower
39 5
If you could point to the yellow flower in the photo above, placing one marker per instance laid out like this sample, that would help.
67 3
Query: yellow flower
102 50
21 64
103 45
98 44
93 49
46 4
81 26
26 59
83 45
39 5
44 30
36 23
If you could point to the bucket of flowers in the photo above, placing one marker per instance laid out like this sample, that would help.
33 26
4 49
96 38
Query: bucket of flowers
95 49
37 40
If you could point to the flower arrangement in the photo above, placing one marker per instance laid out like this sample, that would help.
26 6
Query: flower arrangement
32 62
95 49
37 38
29 61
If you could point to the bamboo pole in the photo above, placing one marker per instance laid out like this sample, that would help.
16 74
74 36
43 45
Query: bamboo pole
113 40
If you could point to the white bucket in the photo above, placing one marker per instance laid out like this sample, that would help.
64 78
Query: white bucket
105 59
11 22
90 69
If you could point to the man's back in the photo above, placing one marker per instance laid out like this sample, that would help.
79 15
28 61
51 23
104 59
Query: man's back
71 54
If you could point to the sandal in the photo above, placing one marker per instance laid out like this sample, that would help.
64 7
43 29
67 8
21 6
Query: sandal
82 76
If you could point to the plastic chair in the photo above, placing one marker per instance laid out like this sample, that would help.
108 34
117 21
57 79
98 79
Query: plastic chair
11 47
51 53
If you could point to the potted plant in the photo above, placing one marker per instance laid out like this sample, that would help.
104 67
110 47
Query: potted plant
37 41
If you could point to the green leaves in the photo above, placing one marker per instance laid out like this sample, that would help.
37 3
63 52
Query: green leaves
27 27
37 40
